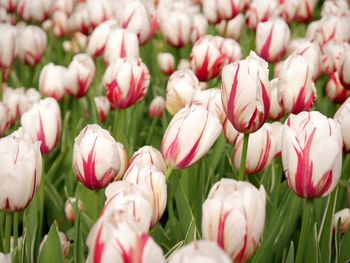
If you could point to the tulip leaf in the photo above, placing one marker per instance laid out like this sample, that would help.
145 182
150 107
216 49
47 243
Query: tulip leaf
337 242
161 237
344 251
78 239
312 248
51 250
30 224
290 256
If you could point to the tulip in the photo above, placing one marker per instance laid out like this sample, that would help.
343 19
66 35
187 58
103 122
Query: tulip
121 44
183 64
180 90
332 29
335 8
99 11
153 184
260 11
147 155
263 146
230 132
182 145
51 81
156 108
59 20
232 50
271 39
276 108
64 242
102 105
79 76
310 174
335 90
288 9
43 123
65 6
342 117
166 63
331 56
119 239
232 28
124 161
126 82
245 93
304 10
199 251
79 21
234 217
69 208
9 5
6 258
36 10
20 170
31 45
344 217
217 10
16 101
344 70
296 89
7 46
96 159
199 27
5 118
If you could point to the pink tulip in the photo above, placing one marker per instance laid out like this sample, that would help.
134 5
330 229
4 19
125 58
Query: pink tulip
335 90
156 108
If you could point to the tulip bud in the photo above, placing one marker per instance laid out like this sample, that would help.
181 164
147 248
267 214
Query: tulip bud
65 6
310 174
9 5
215 10
344 70
296 89
133 245
304 10
260 11
232 28
332 29
199 251
245 93
99 11
64 242
5 118
79 21
166 63
126 82
180 90
102 105
183 64
31 45
230 132
59 23
331 56
16 101
199 27
69 208
156 108
182 145
235 225
51 81
342 117
7 46
36 10
43 123
271 39
344 217
288 9
276 108
96 160
335 8
121 44
20 170
335 90
147 155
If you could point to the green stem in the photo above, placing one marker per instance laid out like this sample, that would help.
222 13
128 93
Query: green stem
168 173
15 230
150 133
304 230
243 157
116 124
96 203
8 224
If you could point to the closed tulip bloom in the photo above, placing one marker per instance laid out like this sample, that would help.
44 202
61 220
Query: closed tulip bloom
9 5
181 87
7 46
260 11
156 108
126 82
310 174
64 242
103 106
199 27
99 11
331 57
119 239
121 44
232 50
342 117
234 217
65 6
59 20
36 10
296 89
43 123
344 70
96 160
79 21
276 108
147 155
230 132
16 101
5 118
79 75
166 63
234 27
51 81
335 90
288 9
200 251
31 45
344 217
69 208
217 10
21 169
124 161
305 10
271 39
245 93
182 145
184 64
335 8
332 28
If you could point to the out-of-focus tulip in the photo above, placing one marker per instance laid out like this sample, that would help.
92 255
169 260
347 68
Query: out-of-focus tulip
332 54
182 145
232 50
344 217
9 5
99 11
6 258
217 10
309 173
232 28
344 70
69 208
152 183
332 29
5 118
16 101
276 108
230 132
200 251
36 10
271 39
65 243
147 155
180 90
65 6
263 146
166 63
288 9
31 45
124 161
296 89
234 217
335 90
245 93
156 108
126 82
335 8
98 38
7 46
59 20
260 11
121 44
43 123
183 64
33 96
102 106
199 27
79 21
51 81
79 75
20 170
342 117
305 9
96 159
133 244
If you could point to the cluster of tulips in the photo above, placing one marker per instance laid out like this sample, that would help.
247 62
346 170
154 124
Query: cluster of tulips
218 68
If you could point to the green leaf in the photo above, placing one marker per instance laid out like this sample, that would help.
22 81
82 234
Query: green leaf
337 242
312 247
78 240
344 251
51 250
290 256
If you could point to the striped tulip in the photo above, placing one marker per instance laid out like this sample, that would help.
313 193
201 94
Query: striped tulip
99 11
344 217
232 28
79 20
288 9
156 108
199 27
342 116
35 10
309 173
7 46
51 81
166 63
230 132
217 10
305 10
17 101
124 161
260 11
335 90
332 29
277 110
102 105
331 56
9 5
69 208
147 155
344 70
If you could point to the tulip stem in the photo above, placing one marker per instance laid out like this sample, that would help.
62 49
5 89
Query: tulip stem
304 230
150 133
96 204
8 223
243 157
15 230
168 173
